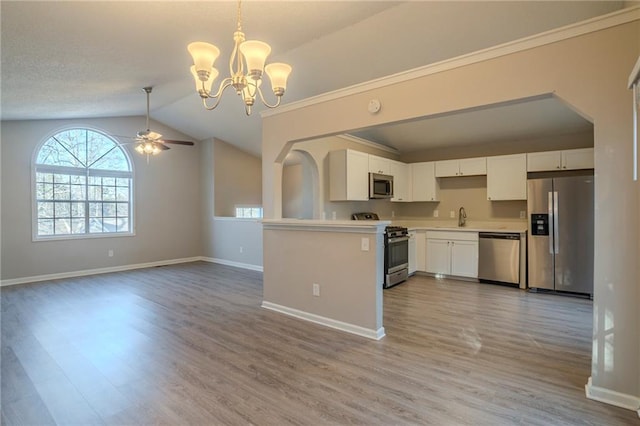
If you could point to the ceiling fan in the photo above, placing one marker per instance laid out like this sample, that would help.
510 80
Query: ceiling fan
151 143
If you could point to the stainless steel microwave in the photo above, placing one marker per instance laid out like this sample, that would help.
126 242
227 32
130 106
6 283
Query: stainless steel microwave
380 186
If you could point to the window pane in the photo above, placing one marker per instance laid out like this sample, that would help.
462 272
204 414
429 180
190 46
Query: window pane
44 177
78 180
109 209
109 181
122 210
45 226
62 226
95 209
95 225
61 178
45 209
109 225
122 193
77 210
78 192
61 192
123 225
109 193
75 143
44 191
62 210
95 192
95 180
122 182
54 153
77 226
114 160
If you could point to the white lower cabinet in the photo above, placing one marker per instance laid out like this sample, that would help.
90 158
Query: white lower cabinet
452 253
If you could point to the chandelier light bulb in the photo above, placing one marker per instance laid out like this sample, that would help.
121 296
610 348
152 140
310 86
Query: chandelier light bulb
278 74
204 56
255 54
207 84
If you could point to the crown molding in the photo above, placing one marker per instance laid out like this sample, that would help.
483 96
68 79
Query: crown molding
610 20
368 143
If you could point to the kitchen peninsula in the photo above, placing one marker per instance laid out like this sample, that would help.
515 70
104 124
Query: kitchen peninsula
327 272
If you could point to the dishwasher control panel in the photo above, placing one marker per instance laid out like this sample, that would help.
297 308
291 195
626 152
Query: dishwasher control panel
539 224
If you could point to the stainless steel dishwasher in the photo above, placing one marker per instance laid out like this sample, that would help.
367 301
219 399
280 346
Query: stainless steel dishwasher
499 257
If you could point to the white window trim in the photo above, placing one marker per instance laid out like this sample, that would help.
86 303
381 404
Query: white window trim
73 170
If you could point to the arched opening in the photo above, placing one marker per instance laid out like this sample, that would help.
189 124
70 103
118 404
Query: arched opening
299 186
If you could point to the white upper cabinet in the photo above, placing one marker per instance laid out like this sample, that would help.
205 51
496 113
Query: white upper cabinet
424 186
507 177
462 167
379 165
401 181
348 175
571 159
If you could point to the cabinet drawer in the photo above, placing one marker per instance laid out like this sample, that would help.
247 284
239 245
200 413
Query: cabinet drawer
452 235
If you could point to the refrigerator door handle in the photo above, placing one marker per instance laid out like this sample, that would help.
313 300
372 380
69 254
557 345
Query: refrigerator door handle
551 221
556 228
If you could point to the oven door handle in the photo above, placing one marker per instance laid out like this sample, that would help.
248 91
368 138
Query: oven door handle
398 239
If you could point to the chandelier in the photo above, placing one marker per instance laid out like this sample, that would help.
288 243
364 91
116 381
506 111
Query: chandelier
246 67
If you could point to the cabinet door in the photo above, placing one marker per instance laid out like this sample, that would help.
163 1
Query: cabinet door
447 168
464 258
473 166
379 165
507 177
543 161
357 176
575 159
424 186
348 175
438 256
401 187
413 258
421 251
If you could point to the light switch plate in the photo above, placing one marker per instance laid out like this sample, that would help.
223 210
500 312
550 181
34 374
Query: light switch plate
435 213
364 244
452 214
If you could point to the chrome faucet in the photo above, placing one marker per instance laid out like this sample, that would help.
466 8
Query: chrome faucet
462 217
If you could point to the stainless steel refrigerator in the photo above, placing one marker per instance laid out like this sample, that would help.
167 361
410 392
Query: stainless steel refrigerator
560 243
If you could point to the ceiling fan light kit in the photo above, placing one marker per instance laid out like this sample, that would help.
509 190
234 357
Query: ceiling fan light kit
148 142
246 67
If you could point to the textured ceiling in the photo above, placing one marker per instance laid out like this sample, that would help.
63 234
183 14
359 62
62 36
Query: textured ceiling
91 59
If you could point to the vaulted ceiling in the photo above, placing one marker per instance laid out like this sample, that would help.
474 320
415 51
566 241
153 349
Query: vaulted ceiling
91 59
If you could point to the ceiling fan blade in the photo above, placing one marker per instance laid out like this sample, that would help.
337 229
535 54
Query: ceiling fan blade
162 146
178 142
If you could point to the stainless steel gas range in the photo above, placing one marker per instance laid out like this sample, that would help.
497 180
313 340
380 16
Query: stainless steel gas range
396 251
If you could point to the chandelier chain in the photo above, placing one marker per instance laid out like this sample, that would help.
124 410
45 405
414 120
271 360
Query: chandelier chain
239 15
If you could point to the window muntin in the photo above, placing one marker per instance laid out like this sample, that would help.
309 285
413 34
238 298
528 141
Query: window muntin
83 186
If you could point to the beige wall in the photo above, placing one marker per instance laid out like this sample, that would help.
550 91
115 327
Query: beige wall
227 240
238 178
587 71
166 204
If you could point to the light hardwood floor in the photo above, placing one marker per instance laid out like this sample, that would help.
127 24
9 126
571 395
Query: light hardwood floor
189 344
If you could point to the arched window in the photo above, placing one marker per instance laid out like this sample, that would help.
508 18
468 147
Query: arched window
83 186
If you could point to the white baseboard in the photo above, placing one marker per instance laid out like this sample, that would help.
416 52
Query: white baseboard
608 396
327 322
96 271
232 263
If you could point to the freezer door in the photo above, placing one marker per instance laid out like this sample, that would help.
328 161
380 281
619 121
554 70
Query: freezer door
540 247
574 243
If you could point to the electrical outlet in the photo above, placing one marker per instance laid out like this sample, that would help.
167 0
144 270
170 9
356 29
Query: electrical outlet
523 214
452 214
435 213
241 249
316 289
393 214
333 215
110 252
364 244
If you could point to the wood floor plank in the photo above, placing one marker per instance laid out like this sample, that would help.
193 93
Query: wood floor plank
190 344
